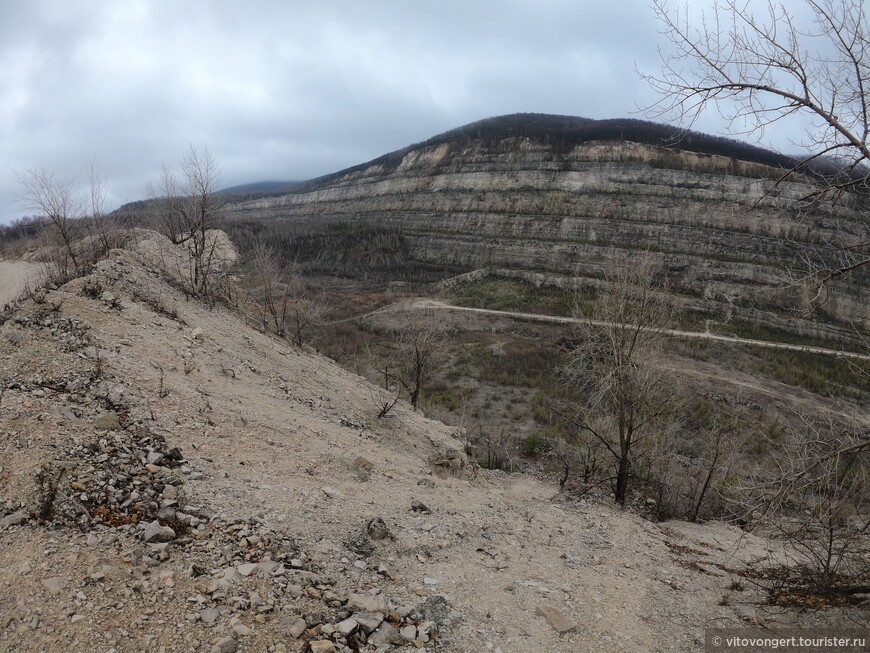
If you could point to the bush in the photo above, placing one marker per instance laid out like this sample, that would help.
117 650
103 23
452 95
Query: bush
532 445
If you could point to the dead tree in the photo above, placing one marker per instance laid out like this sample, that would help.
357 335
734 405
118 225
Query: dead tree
617 364
188 212
422 344
56 200
756 70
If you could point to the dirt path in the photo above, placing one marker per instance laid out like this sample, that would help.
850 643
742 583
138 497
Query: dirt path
432 304
14 277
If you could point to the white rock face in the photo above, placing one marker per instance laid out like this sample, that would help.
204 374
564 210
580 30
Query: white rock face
519 204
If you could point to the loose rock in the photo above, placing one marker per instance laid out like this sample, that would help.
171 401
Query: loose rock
559 621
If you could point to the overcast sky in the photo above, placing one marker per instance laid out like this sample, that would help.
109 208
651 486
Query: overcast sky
292 89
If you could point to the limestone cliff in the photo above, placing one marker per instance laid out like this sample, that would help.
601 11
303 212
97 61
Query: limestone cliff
722 226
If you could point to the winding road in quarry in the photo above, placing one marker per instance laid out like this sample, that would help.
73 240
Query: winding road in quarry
435 305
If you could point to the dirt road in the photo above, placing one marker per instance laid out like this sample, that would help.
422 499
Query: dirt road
14 278
431 304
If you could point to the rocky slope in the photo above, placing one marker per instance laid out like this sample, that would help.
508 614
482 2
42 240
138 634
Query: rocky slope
173 480
534 203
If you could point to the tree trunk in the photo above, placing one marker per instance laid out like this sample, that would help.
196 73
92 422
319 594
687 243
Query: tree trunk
622 473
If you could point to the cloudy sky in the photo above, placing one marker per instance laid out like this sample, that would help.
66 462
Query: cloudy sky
292 89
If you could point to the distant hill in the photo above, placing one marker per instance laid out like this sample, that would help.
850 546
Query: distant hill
258 187
563 133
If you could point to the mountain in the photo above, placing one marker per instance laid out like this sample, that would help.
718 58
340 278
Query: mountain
559 196
258 187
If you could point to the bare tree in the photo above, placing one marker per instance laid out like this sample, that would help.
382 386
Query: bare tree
283 303
757 70
819 494
618 365
55 199
422 343
269 280
79 231
188 212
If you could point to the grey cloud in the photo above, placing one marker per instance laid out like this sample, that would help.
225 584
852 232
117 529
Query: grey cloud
293 89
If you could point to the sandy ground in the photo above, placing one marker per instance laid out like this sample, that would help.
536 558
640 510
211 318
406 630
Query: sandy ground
14 278
275 431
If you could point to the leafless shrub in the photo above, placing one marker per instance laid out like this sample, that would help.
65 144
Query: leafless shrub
422 344
79 233
384 401
817 499
631 395
48 481
279 298
687 485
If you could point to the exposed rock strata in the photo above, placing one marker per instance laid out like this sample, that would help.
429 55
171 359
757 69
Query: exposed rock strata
521 205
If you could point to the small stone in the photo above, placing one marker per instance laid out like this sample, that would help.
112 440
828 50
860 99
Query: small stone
430 581
408 633
386 634
54 585
746 612
419 506
107 422
247 569
16 518
167 513
384 570
347 627
558 620
225 645
363 463
359 543
152 468
297 627
197 333
377 529
153 457
368 621
331 492
76 618
322 646
209 615
366 603
154 532
170 492
241 630
312 592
